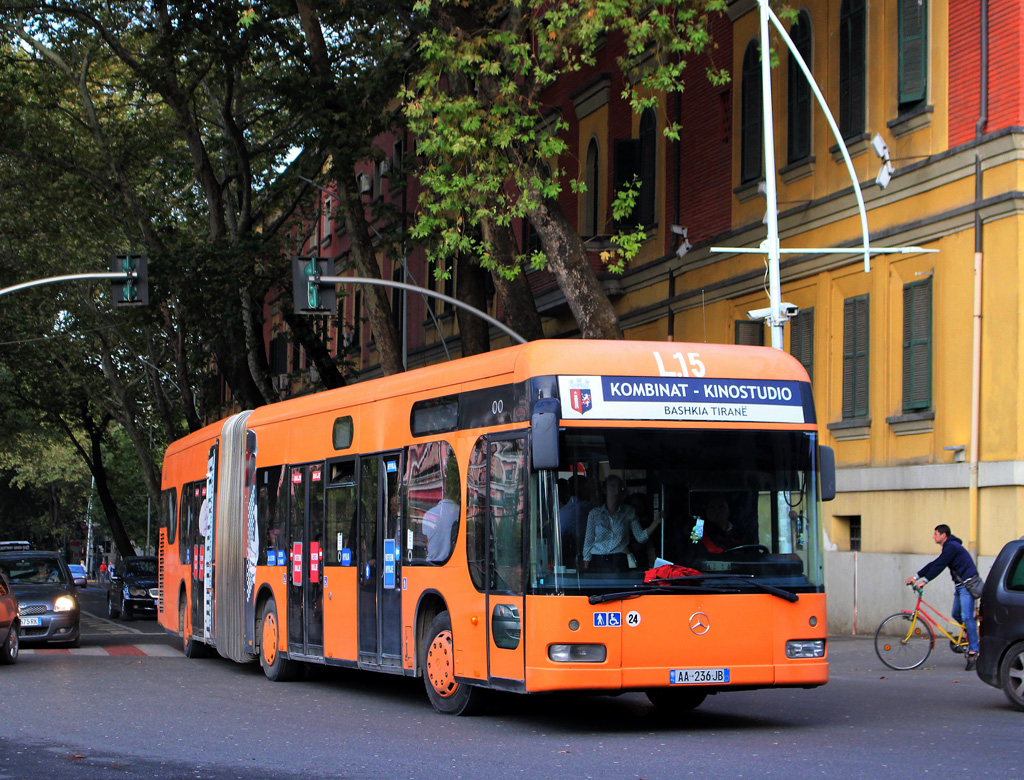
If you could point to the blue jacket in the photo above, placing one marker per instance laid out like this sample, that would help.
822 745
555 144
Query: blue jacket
961 565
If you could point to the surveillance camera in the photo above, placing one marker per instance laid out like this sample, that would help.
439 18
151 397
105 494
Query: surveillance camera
879 147
786 311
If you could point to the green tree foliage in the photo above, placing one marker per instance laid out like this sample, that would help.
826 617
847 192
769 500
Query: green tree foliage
477 105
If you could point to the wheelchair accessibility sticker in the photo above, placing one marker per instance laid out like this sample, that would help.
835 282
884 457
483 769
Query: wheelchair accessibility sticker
607 619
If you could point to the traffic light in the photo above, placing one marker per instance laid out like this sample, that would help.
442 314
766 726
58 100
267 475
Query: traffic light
311 295
133 291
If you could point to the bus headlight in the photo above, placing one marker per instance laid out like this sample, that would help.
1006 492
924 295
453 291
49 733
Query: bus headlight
805 648
588 654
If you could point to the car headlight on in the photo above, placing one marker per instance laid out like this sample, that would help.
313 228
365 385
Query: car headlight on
137 592
64 604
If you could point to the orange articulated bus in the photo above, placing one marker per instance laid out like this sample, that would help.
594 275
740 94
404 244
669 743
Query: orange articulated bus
559 515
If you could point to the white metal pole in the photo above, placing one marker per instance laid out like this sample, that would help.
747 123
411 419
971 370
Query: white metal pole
772 216
766 11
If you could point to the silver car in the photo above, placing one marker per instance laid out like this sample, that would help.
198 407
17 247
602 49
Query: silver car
48 606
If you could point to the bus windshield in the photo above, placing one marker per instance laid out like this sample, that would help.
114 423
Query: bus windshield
740 507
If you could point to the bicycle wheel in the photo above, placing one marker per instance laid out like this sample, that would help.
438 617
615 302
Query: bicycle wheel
904 641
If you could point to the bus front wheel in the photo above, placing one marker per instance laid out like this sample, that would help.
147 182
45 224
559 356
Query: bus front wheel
448 696
676 699
276 666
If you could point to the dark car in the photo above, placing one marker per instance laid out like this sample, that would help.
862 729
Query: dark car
48 608
78 575
133 588
9 626
1001 624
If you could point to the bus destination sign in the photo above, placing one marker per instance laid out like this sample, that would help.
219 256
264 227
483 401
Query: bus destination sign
685 399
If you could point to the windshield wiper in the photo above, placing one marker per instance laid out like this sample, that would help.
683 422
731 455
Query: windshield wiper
673 583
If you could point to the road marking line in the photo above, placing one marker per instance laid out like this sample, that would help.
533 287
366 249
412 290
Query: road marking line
119 626
137 651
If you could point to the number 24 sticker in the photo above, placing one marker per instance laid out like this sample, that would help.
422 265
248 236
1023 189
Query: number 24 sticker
633 619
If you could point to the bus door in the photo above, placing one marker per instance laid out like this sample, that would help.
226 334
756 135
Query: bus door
189 543
305 554
506 502
379 562
202 542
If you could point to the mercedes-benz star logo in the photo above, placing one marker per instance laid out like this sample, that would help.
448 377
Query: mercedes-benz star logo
699 623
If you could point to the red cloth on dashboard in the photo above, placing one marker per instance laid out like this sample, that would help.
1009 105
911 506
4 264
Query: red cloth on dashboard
669 571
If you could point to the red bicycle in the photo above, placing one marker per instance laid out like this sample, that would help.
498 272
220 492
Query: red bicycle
905 640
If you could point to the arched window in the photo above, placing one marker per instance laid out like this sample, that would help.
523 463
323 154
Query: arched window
799 108
752 120
591 199
648 166
852 67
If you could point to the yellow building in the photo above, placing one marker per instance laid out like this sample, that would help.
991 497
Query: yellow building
915 363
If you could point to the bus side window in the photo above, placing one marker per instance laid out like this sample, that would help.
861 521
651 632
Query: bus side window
340 518
269 515
185 517
169 513
504 512
507 510
476 514
433 495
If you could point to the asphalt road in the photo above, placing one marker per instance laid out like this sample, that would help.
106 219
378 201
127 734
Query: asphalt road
129 705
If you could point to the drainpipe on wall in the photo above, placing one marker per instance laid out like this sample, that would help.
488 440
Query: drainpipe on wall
979 128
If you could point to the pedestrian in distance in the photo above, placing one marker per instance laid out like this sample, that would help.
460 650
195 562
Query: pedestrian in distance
961 568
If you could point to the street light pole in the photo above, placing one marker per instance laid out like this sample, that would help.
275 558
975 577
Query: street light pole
772 215
770 246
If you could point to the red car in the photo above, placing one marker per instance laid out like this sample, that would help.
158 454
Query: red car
9 625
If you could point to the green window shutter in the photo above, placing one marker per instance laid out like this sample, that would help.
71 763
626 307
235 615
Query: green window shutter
801 339
913 51
852 67
855 357
752 119
799 107
917 346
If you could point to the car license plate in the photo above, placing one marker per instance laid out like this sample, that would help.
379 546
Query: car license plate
28 622
698 676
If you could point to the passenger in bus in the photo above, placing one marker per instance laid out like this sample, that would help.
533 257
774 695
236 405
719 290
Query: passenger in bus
440 523
608 529
572 518
643 552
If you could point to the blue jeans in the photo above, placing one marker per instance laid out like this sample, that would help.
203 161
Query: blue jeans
963 612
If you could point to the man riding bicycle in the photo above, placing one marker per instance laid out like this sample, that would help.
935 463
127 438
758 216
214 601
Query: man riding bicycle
961 568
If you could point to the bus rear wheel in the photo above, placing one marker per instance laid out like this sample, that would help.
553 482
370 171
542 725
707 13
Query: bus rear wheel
676 699
448 696
191 647
276 666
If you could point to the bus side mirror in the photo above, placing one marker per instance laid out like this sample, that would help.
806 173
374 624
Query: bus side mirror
545 418
827 457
